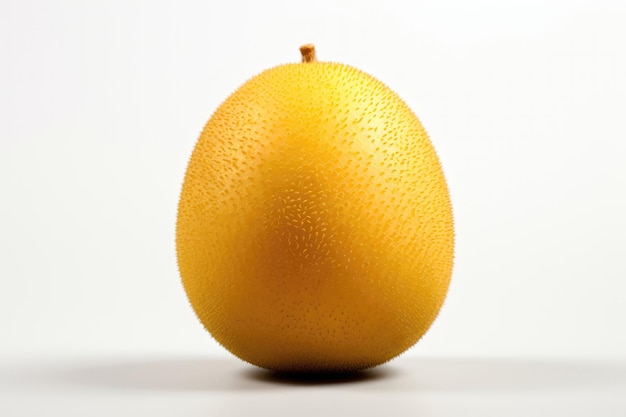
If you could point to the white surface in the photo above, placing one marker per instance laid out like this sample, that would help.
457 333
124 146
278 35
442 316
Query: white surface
426 387
101 103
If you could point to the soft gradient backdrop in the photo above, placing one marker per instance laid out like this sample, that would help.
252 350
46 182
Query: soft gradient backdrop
101 103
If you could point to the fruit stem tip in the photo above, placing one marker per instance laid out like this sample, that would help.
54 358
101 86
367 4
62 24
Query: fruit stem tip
308 53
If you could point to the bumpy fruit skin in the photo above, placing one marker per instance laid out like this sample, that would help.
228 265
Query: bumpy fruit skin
315 230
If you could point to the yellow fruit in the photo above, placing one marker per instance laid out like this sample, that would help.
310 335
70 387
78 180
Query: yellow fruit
314 229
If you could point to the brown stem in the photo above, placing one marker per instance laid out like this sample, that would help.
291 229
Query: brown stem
308 53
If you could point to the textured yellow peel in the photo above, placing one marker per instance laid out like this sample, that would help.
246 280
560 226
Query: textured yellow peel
314 228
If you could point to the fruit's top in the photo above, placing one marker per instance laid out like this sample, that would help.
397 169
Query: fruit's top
308 53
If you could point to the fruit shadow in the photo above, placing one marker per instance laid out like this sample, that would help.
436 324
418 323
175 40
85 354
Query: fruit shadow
417 375
204 374
303 379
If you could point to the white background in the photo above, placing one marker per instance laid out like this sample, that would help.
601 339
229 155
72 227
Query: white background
101 103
